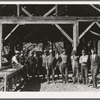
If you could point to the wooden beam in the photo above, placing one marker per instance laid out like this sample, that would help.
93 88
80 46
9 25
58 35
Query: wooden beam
95 7
26 12
95 33
56 10
18 10
36 20
84 32
50 11
46 20
64 33
75 35
11 32
1 45
98 24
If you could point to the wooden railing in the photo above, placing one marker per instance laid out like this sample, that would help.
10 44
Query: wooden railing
10 76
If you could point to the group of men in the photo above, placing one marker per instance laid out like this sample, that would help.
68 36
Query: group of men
83 62
48 62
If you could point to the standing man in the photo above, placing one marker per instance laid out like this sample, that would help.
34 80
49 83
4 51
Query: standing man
16 60
22 61
84 66
75 67
44 62
31 65
64 66
94 60
51 64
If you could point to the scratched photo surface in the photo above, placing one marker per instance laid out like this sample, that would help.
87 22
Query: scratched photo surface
50 47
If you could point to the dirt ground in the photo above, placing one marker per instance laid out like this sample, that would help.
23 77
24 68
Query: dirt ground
38 84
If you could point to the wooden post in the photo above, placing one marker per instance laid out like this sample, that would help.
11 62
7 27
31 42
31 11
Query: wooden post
0 45
18 10
75 36
99 47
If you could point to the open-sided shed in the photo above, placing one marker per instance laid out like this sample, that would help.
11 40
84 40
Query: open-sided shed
40 23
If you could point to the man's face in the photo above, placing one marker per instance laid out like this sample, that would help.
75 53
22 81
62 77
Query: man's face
92 51
2 53
17 54
64 52
83 53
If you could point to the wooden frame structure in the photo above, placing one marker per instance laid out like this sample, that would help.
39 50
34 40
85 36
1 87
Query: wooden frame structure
45 19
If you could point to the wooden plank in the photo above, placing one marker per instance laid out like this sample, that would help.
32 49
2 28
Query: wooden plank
26 12
50 11
11 31
95 33
64 33
1 45
75 35
97 9
84 32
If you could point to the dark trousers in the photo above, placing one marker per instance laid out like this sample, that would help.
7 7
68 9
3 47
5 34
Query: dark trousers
94 72
48 74
64 71
75 73
84 73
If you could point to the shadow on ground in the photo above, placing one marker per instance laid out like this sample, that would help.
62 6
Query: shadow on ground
33 84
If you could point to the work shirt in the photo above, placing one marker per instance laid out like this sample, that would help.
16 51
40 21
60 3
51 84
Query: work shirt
64 58
15 60
44 60
4 61
93 56
22 59
74 60
51 61
84 59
